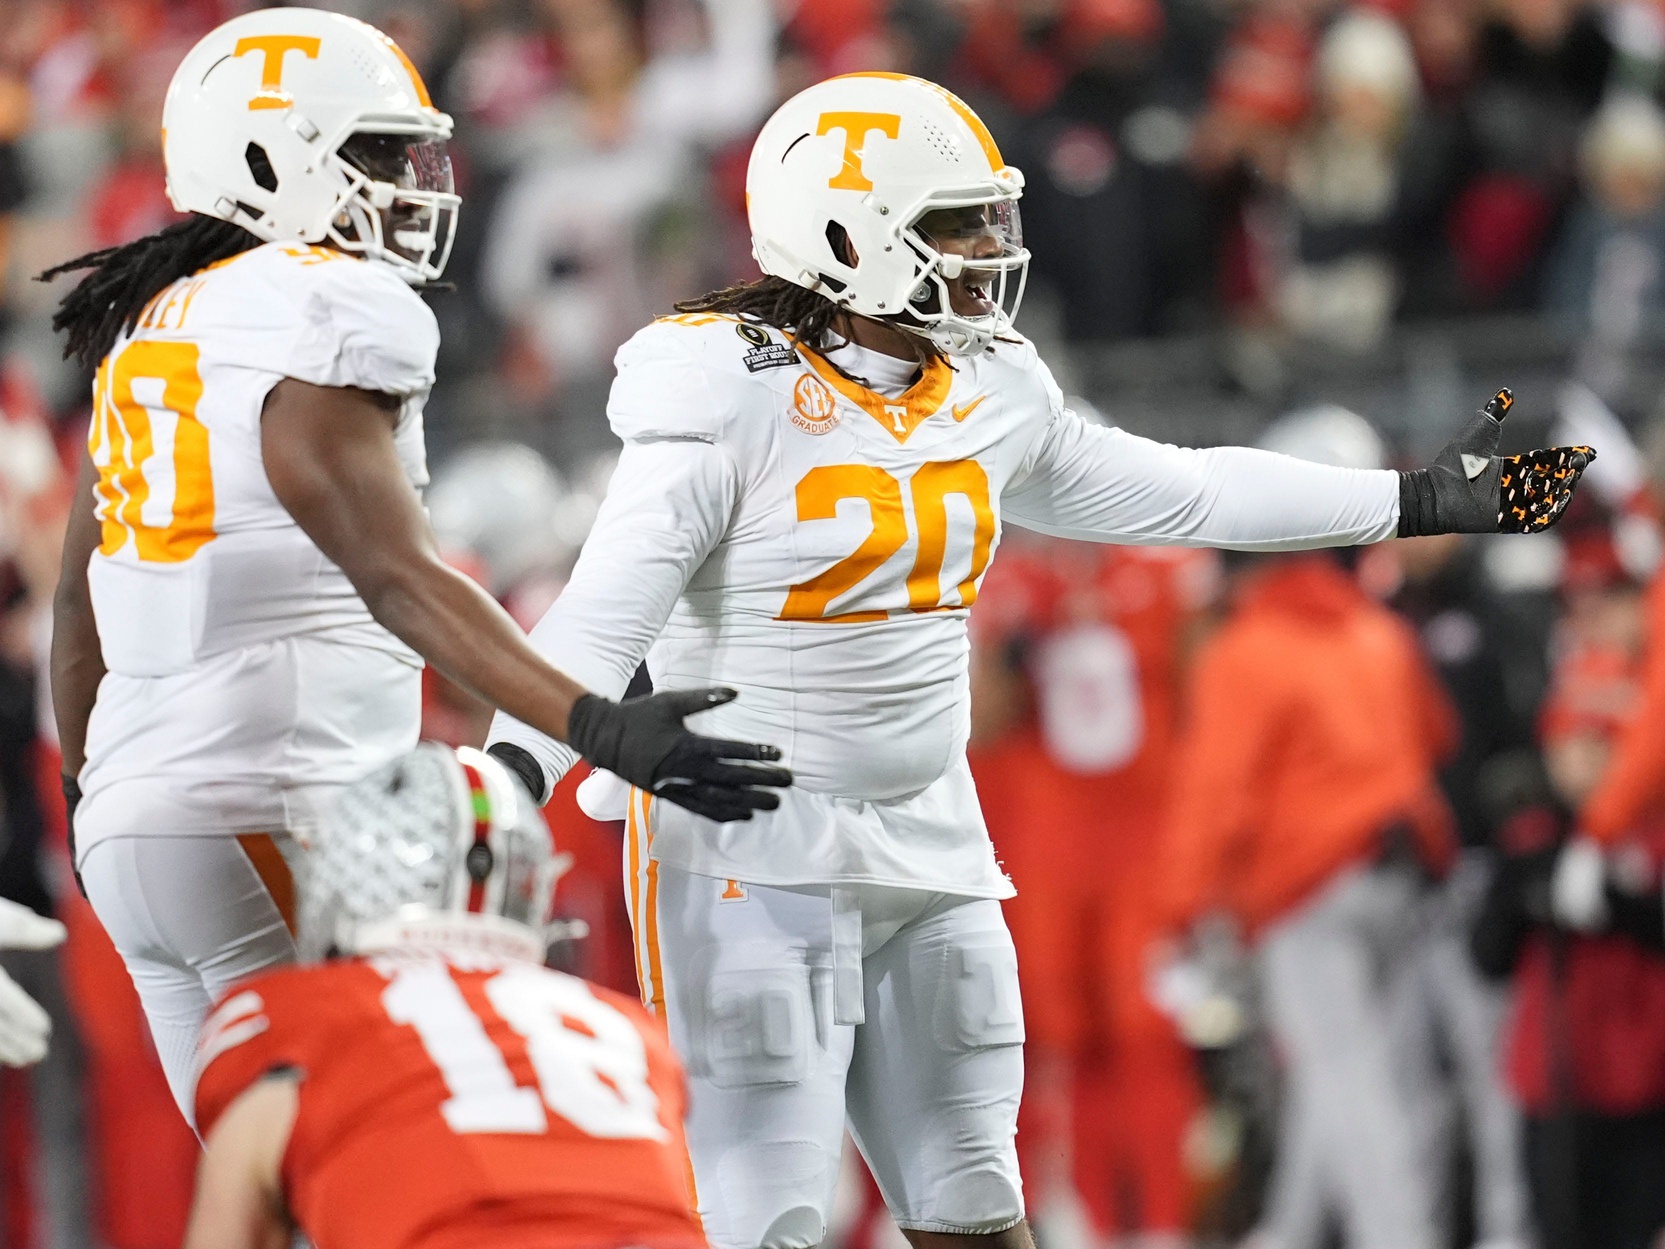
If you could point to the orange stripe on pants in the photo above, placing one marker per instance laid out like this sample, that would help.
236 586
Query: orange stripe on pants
273 870
632 894
656 971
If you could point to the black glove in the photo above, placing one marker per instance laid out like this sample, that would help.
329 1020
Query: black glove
525 768
1471 489
643 740
72 799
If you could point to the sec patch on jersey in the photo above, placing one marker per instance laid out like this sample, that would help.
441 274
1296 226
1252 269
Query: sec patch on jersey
814 410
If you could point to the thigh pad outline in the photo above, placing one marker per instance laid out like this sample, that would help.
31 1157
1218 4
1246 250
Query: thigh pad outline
978 1004
760 1020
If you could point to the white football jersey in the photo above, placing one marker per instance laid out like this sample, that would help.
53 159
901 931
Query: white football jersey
776 527
237 653
198 556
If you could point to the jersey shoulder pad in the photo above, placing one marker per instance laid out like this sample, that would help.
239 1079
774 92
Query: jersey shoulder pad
360 325
1025 376
1020 354
671 383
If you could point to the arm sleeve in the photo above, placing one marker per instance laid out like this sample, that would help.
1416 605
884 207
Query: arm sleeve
666 509
1106 485
362 326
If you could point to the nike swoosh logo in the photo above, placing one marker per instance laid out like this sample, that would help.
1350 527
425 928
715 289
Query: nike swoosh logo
961 413
1474 465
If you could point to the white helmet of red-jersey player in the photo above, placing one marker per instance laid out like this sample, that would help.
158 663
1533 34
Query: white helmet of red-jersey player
505 505
258 114
440 848
1326 433
858 160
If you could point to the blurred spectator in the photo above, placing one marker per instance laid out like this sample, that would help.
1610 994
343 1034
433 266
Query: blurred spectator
1631 791
1340 286
1607 280
14 117
1241 146
1586 1051
1083 98
1542 68
1309 813
593 235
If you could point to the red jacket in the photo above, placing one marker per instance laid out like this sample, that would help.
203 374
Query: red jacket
1633 788
1314 725
1591 1031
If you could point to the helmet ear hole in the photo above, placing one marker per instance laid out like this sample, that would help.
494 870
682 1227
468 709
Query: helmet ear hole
260 167
844 251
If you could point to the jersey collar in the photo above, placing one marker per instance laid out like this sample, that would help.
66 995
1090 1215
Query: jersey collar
898 417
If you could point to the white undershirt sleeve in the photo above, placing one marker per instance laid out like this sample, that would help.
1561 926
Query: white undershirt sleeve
667 507
1106 485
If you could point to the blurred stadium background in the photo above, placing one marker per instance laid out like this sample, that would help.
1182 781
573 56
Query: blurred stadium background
1239 209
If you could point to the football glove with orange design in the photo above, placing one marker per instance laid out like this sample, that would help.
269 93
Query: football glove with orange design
1472 489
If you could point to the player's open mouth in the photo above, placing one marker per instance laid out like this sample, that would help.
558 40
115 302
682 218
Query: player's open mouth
977 298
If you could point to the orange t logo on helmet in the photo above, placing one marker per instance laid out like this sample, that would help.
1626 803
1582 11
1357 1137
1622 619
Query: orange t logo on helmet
856 128
272 49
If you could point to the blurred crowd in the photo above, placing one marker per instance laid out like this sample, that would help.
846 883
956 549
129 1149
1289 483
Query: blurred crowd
1339 883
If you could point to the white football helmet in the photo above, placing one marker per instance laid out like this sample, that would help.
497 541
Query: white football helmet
857 161
503 503
298 124
1326 433
441 848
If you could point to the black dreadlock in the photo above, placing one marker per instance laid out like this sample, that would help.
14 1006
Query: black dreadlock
110 299
808 316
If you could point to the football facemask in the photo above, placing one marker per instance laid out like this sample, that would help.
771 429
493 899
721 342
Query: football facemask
975 269
400 201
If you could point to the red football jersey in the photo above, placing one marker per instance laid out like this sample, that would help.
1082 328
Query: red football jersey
462 1103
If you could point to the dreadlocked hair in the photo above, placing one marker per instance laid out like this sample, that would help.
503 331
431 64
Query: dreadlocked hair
807 316
123 280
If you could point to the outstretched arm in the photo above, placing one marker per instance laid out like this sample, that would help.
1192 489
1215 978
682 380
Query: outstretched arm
1106 485
1084 481
666 509
330 456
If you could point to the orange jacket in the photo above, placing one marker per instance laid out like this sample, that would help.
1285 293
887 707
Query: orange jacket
1633 787
1314 725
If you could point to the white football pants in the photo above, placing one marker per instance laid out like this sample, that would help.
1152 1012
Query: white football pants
798 1009
1334 971
1453 1020
190 917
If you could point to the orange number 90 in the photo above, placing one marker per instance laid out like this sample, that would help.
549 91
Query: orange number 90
823 488
122 423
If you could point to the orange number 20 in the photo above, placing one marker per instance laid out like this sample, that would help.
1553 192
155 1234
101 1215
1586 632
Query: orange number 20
122 424
823 488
